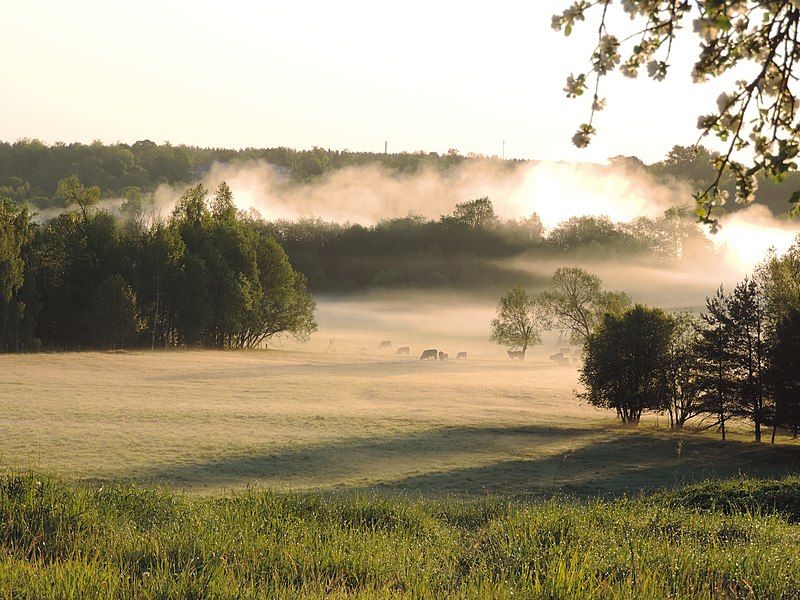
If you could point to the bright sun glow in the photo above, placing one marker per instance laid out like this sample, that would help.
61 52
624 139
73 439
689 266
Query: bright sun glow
557 192
746 237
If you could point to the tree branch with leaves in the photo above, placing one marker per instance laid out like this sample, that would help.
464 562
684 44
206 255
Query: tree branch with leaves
756 116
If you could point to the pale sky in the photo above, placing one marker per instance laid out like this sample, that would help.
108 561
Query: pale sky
347 74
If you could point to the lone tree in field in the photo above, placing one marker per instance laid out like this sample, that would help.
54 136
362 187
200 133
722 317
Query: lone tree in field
756 114
519 322
626 362
576 301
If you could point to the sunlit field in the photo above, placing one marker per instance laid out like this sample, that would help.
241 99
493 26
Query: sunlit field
347 416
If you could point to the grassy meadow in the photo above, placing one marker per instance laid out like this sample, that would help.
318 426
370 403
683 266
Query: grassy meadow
306 420
335 469
129 542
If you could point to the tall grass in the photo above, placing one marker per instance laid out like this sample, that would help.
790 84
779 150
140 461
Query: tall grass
131 542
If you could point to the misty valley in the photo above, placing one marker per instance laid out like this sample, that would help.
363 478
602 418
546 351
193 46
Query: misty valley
171 346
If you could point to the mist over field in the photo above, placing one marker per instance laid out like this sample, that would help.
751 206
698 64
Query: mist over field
368 194
458 320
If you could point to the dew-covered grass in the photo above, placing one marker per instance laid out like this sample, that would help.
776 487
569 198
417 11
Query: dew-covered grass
126 541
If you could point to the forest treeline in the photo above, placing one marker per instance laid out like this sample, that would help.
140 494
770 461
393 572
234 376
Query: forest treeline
205 276
30 169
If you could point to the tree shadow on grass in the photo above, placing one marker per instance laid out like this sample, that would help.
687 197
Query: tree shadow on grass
357 461
582 462
626 464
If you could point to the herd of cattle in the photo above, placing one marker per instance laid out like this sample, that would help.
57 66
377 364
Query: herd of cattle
562 358
432 354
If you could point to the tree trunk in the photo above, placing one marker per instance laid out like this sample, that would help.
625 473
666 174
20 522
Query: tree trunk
758 431
16 334
155 318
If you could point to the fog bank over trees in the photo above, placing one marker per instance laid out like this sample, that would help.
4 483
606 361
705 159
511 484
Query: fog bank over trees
305 182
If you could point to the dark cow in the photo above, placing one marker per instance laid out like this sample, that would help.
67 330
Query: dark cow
557 357
385 344
562 362
429 355
443 356
461 355
516 354
403 350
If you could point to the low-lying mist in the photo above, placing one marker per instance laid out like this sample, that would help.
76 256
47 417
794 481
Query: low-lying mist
556 192
368 194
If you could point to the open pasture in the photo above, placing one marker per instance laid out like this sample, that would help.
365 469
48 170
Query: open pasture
307 419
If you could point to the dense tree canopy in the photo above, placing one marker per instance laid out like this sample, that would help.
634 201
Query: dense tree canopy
16 233
756 115
477 214
417 252
205 277
30 170
784 374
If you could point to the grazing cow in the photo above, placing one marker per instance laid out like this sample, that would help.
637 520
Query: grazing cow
429 355
385 344
403 350
461 355
442 356
562 362
557 357
516 354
